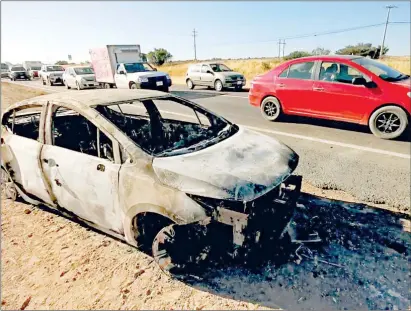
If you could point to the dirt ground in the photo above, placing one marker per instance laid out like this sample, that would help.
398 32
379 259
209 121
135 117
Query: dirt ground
50 262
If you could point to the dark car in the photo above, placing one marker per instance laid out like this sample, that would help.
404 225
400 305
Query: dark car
18 73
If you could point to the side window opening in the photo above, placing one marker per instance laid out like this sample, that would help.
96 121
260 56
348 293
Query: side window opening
301 71
204 68
72 131
24 122
284 73
336 72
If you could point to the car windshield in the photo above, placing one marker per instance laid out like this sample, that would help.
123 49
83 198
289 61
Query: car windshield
35 68
137 67
168 126
219 67
18 69
54 68
84 71
383 71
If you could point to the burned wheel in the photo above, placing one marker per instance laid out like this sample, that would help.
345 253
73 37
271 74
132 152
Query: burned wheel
8 189
181 249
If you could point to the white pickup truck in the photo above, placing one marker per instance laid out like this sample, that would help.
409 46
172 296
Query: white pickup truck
121 66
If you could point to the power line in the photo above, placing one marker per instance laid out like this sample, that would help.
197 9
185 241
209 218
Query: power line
314 34
195 33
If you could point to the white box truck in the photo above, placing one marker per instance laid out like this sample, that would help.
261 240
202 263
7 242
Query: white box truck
33 68
121 66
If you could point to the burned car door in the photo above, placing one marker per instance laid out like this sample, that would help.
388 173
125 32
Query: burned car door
23 142
82 167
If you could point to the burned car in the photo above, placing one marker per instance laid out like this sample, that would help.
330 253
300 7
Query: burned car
148 167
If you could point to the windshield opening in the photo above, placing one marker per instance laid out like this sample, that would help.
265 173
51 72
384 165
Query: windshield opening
219 68
18 69
168 126
54 68
35 68
84 70
137 67
383 71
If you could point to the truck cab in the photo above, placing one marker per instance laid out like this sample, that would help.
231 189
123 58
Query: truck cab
141 76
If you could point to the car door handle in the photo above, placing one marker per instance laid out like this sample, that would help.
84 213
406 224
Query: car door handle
281 85
318 89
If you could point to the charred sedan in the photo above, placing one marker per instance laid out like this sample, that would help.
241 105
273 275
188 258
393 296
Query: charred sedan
149 168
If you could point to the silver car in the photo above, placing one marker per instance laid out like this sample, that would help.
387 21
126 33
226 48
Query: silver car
80 78
215 75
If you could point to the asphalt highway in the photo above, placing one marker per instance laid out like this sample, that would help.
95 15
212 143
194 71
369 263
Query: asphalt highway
333 155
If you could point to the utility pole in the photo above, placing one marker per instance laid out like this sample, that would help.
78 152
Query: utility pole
279 48
195 47
283 46
389 7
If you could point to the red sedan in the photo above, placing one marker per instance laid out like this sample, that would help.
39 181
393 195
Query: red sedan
343 88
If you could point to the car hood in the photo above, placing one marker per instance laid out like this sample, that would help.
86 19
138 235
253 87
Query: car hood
229 73
86 77
241 167
406 83
136 75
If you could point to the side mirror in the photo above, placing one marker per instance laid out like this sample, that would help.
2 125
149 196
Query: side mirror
155 69
209 71
122 72
359 81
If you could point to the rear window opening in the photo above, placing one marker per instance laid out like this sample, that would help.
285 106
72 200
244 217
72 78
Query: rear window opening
168 126
24 122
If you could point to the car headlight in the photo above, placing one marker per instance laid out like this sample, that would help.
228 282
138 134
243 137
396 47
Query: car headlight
409 94
168 77
142 79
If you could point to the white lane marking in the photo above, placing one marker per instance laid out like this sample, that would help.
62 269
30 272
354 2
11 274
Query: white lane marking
234 96
319 140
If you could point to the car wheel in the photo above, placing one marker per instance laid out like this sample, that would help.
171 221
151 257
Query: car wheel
78 86
133 86
218 85
271 108
107 86
44 82
190 84
178 249
67 86
388 122
8 189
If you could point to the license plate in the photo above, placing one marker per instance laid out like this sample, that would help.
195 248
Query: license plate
159 83
239 82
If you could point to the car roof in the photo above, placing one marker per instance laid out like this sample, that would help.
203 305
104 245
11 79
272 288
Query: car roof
92 98
329 57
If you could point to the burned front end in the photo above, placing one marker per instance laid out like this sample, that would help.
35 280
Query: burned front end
259 221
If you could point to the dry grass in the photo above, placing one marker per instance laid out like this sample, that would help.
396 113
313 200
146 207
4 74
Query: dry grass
252 67
13 93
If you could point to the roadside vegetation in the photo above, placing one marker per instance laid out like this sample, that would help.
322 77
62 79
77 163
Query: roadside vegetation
255 66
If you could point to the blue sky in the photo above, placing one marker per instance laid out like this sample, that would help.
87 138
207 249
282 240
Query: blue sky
49 31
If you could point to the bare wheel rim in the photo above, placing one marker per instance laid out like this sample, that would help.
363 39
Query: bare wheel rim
189 83
270 109
8 189
218 85
387 122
